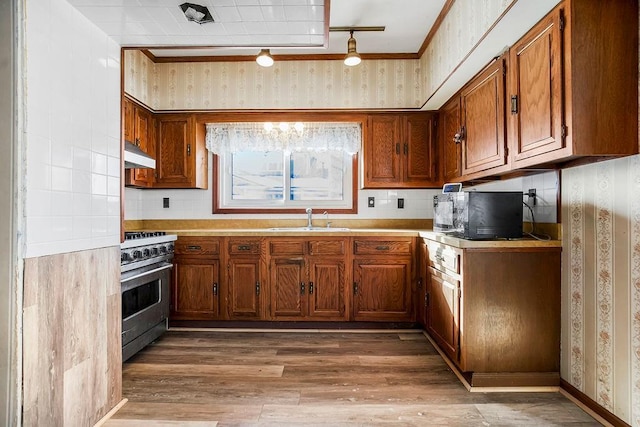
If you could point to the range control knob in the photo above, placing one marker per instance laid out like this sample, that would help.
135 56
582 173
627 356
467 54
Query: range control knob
146 253
136 255
170 248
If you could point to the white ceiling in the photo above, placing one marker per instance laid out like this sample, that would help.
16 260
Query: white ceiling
242 27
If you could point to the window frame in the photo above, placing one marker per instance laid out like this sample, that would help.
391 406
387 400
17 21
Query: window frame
217 209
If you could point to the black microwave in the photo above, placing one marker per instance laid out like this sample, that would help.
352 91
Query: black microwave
479 215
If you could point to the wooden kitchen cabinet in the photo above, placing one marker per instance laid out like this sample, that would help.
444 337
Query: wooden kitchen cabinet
382 272
244 280
420 296
500 325
450 137
181 155
307 278
400 151
196 279
139 129
483 128
574 83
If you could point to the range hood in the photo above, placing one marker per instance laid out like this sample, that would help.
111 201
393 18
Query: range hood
135 158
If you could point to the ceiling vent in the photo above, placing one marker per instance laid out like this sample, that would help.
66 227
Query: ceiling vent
196 13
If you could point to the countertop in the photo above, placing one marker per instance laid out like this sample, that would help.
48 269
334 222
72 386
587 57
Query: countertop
371 232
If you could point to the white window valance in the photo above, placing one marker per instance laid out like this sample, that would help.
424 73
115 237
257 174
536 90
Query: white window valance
266 136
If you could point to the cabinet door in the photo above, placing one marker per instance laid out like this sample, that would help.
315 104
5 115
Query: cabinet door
326 288
419 151
139 130
443 312
245 289
174 152
382 152
288 288
483 146
381 290
195 289
536 90
450 139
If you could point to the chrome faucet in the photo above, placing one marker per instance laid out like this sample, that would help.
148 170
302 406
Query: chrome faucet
309 211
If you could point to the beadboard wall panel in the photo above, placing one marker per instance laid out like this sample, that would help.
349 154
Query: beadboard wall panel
72 347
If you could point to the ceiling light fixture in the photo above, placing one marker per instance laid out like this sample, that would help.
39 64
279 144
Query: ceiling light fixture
196 13
264 58
352 58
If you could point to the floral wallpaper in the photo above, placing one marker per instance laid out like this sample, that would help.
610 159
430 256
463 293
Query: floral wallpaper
601 284
288 85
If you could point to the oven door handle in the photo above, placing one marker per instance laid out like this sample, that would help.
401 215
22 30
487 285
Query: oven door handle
146 273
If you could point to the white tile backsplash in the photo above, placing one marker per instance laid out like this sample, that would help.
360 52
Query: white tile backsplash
72 106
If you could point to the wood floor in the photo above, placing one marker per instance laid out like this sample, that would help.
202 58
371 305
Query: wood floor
316 379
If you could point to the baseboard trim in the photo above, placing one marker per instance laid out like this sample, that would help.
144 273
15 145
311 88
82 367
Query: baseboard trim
490 389
109 414
590 406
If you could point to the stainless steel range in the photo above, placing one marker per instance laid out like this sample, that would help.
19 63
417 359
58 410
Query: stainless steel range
145 279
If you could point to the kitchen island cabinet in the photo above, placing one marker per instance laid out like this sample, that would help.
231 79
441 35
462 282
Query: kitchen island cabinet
495 312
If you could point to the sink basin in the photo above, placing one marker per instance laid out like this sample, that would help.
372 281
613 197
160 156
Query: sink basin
309 229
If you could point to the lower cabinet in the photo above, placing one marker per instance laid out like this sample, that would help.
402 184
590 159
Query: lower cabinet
245 288
382 280
196 279
495 312
307 278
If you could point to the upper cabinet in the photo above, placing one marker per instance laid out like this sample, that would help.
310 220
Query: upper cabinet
181 160
571 94
173 140
139 129
450 139
535 91
400 151
483 121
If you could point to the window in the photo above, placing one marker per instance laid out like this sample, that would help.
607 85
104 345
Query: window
258 169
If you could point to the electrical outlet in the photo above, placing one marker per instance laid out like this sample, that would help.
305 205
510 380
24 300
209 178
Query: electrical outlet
532 196
371 201
165 202
400 203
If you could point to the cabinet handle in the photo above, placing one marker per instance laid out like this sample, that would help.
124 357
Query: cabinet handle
257 288
215 289
138 142
382 248
194 247
426 299
310 288
188 149
514 104
406 149
420 283
301 288
355 288
244 247
397 148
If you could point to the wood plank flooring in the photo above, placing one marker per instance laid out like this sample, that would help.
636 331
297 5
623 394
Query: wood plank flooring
316 379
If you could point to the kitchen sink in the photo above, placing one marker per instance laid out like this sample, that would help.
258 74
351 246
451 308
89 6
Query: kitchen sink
305 228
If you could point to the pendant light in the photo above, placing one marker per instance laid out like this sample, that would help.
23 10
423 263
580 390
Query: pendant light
352 58
264 58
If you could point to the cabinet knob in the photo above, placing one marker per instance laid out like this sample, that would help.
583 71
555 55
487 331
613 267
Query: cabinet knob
215 289
310 288
301 288
355 288
257 288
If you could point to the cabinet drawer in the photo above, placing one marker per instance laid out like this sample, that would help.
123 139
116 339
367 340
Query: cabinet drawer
327 247
443 257
243 247
286 247
197 246
382 247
